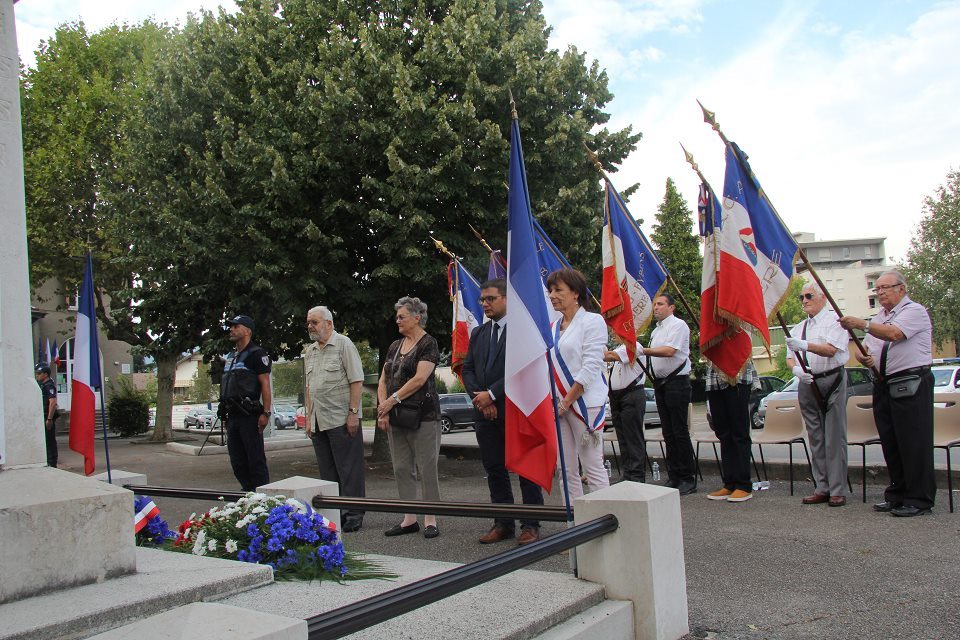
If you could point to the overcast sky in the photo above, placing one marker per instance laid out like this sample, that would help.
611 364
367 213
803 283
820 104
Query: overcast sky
848 110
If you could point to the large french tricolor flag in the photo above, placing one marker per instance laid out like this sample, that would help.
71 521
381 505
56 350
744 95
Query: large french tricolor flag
86 374
722 341
467 311
531 439
755 256
633 275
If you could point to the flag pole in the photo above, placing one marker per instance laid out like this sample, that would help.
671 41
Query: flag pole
103 423
595 160
553 395
710 118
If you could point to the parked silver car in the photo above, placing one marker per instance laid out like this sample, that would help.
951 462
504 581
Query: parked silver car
651 418
858 384
284 416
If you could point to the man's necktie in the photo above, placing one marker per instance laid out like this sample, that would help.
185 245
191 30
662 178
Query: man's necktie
494 340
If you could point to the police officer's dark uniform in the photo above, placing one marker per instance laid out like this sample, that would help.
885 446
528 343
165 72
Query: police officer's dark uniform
48 389
240 409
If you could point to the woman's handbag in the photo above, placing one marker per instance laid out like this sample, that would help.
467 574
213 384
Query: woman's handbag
406 415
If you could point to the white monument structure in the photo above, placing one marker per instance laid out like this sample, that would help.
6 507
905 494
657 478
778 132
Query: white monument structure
72 530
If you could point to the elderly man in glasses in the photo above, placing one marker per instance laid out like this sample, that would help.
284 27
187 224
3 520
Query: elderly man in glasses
899 344
820 343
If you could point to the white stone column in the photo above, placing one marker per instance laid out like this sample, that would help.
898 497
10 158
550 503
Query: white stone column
303 489
642 560
58 529
21 426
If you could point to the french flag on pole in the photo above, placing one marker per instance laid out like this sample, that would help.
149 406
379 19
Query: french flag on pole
86 374
748 264
633 276
531 439
467 311
722 342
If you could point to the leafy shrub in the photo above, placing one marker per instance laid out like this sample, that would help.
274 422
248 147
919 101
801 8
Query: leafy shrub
441 385
128 410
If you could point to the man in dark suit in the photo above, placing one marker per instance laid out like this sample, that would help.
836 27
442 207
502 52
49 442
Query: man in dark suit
483 373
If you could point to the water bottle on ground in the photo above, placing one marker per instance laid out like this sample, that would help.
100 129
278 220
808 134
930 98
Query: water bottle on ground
763 485
656 472
606 465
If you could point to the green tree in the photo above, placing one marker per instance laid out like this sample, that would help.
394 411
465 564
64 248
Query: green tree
288 380
77 104
339 137
202 386
679 249
791 309
932 267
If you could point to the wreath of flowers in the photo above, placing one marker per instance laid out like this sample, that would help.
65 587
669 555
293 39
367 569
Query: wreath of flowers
280 532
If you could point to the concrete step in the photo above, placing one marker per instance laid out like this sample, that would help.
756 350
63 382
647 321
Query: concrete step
521 605
610 620
164 580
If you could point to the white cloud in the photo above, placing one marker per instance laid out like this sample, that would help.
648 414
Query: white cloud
846 142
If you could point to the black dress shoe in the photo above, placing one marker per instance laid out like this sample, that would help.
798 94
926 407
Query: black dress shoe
908 511
884 507
686 488
673 484
430 531
399 530
349 526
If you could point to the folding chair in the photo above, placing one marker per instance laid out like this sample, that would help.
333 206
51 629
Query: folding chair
861 430
946 430
783 425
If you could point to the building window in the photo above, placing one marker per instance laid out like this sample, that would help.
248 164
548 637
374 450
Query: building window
824 254
846 252
872 302
867 252
839 285
869 284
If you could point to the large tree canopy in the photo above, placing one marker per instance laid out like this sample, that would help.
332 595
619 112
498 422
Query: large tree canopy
932 267
304 153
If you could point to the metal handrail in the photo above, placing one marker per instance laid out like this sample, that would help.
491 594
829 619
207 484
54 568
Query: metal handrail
464 509
374 610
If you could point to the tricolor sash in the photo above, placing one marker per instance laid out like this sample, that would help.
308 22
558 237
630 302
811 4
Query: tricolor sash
564 380
144 514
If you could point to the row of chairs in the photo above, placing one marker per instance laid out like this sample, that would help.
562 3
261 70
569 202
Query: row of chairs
784 425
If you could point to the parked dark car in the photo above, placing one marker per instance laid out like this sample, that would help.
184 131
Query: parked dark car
456 412
284 416
651 418
199 419
768 385
858 384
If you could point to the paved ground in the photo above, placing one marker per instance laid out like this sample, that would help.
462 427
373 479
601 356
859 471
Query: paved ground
768 568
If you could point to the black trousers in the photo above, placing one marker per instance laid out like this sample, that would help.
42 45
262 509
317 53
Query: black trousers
51 439
340 459
247 457
627 408
492 442
673 405
905 426
730 409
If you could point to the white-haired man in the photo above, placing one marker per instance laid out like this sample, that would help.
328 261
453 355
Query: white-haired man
821 344
899 344
334 381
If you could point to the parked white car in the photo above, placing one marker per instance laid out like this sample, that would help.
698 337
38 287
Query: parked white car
946 379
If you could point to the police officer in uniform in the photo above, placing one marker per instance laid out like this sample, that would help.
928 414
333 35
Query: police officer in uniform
245 402
49 391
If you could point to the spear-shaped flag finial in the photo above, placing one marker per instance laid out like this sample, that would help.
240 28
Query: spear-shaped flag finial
710 118
692 162
513 106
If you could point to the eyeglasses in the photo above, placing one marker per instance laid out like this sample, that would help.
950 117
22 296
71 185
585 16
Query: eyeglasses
884 287
805 296
488 298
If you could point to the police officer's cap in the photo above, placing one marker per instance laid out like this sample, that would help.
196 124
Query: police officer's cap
42 367
245 321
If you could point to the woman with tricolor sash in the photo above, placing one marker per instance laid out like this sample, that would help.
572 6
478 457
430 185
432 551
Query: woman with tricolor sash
580 338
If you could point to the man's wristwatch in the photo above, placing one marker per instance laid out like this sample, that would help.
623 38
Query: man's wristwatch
266 413
355 410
